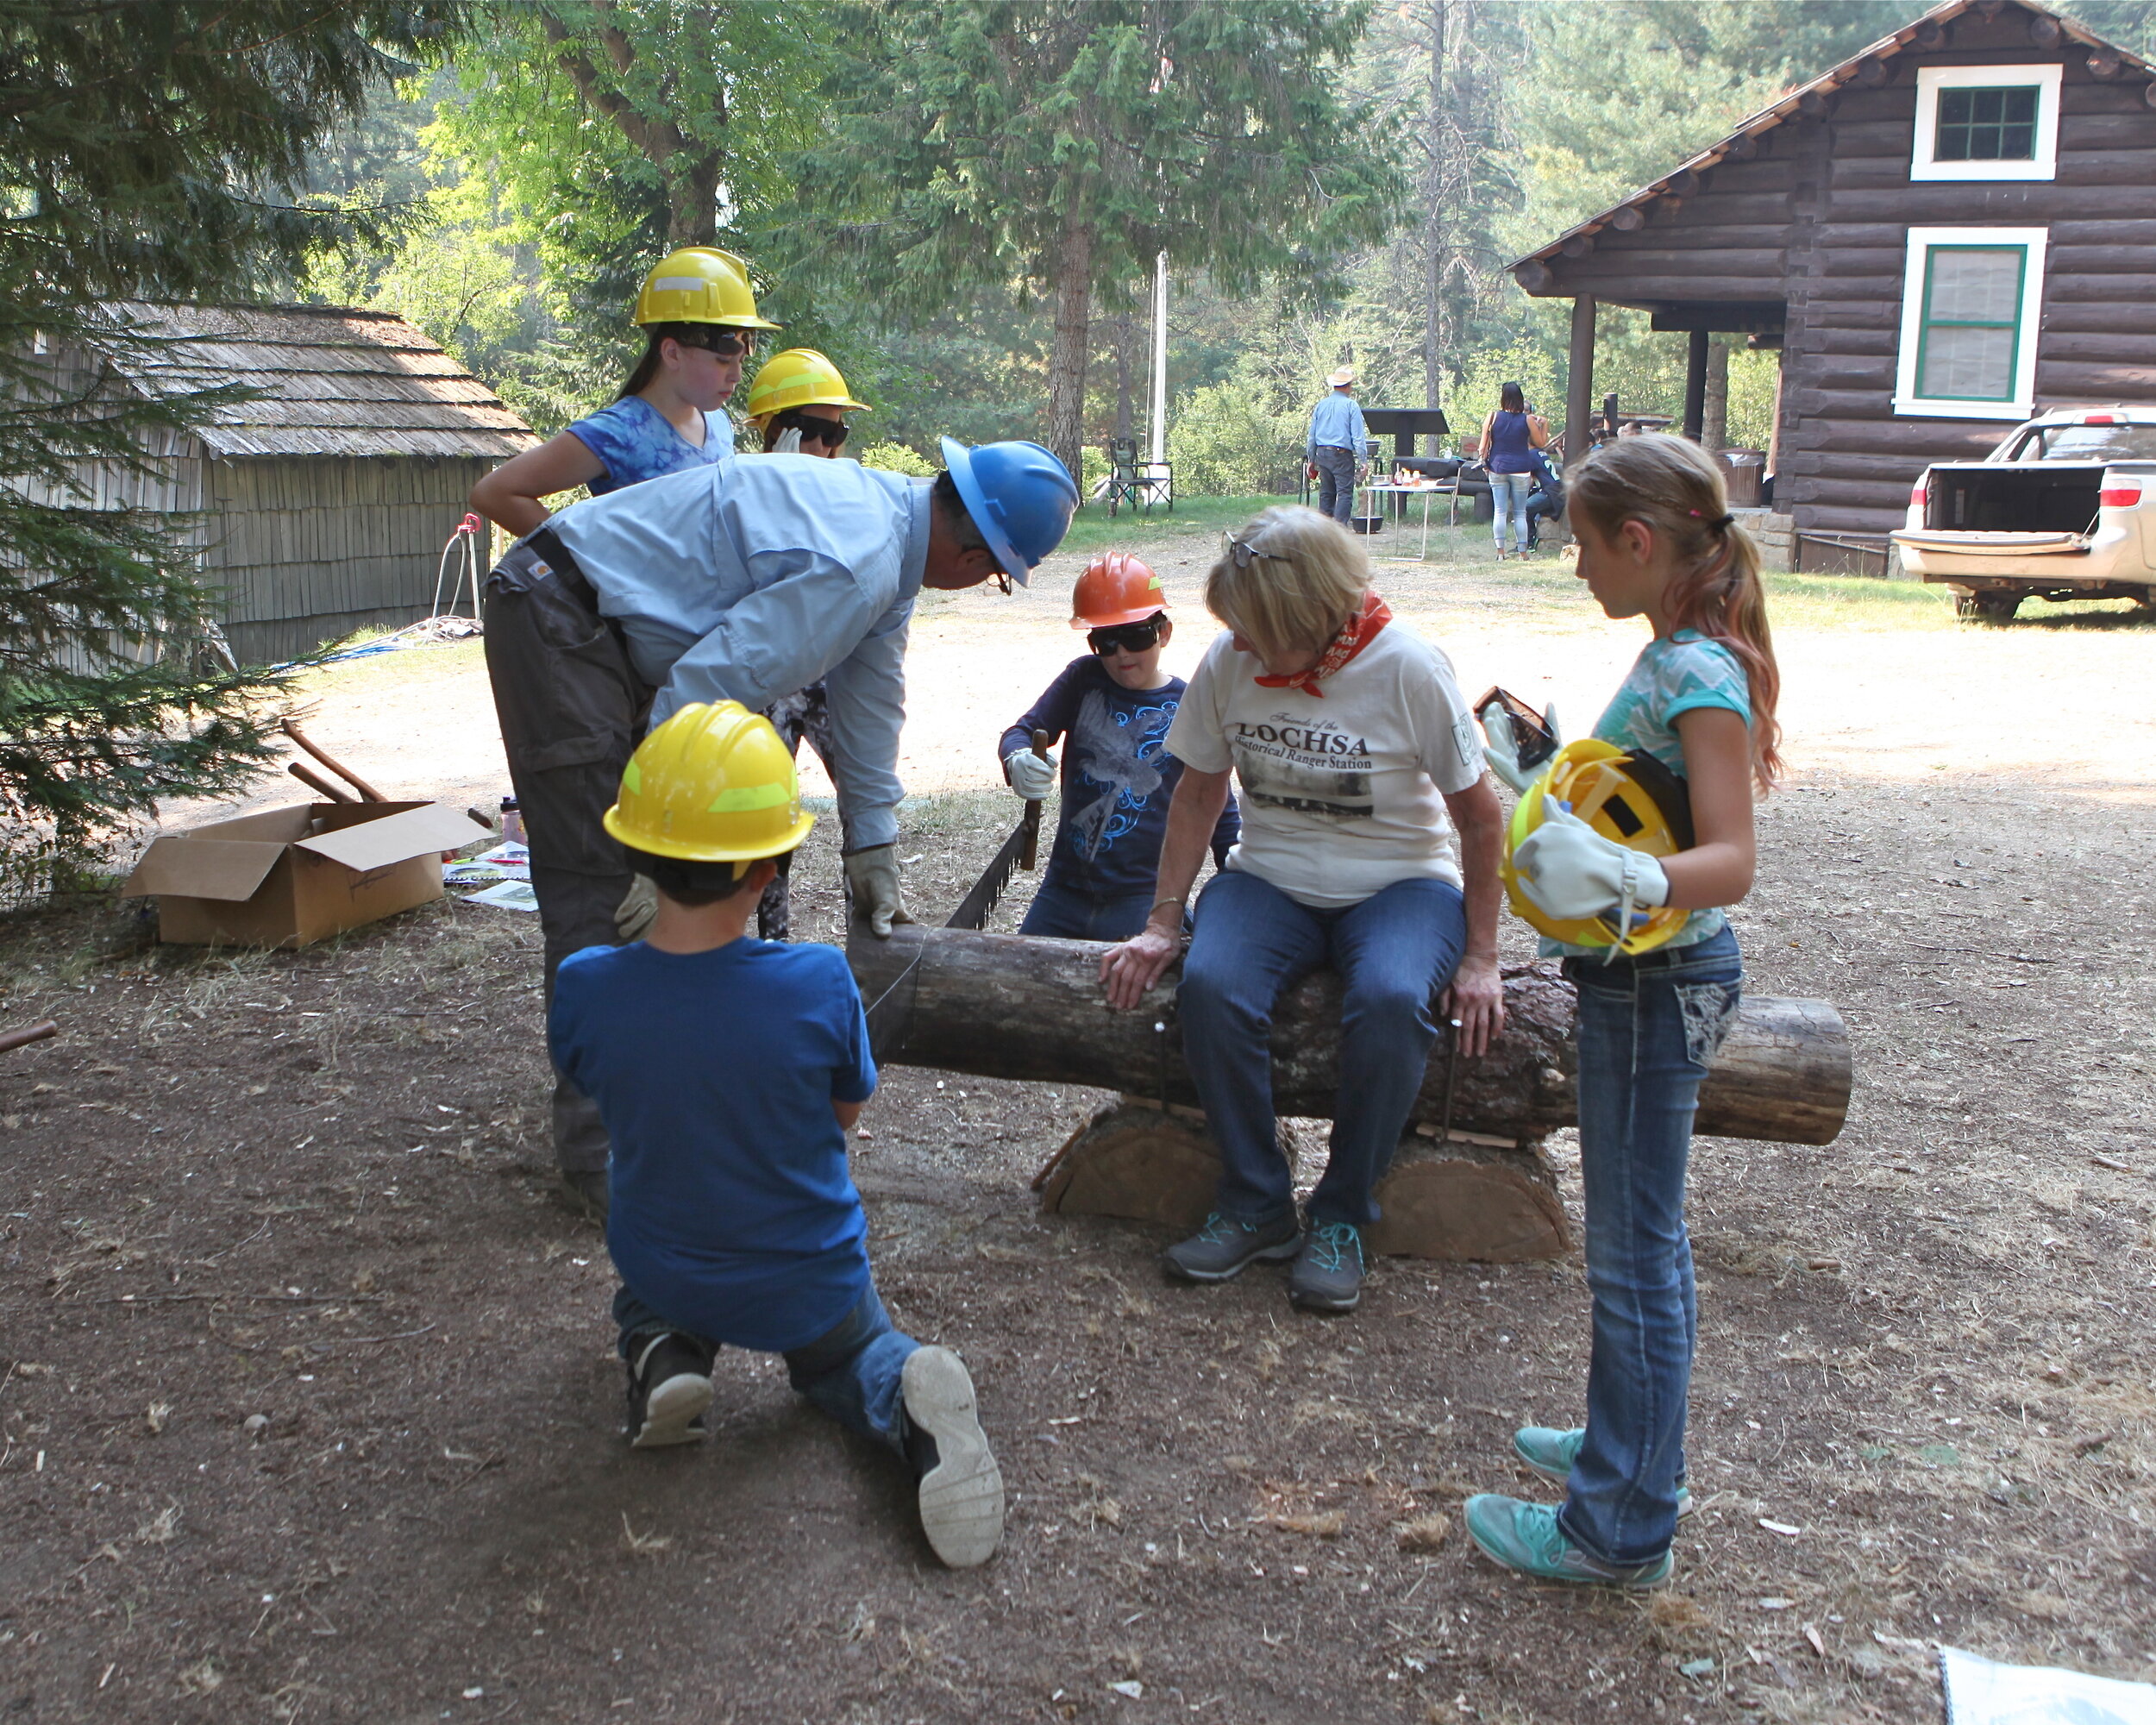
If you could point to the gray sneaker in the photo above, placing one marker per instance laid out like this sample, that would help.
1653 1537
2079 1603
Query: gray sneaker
1328 1273
1551 1452
961 1485
584 1190
1225 1247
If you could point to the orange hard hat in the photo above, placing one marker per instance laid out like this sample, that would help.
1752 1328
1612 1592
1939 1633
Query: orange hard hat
1115 588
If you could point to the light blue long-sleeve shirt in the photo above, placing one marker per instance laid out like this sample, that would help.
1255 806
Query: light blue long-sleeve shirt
1337 421
757 576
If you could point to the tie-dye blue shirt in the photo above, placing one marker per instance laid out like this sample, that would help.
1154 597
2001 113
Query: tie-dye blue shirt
635 441
1670 678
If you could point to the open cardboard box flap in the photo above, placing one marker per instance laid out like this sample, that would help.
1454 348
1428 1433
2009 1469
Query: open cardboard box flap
377 844
229 869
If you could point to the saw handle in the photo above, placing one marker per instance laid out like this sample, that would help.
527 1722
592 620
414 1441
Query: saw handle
1031 853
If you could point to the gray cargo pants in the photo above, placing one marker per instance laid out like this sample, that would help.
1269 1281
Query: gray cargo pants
572 709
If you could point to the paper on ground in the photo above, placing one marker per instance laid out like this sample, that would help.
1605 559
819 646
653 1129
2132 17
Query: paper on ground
1982 1692
511 895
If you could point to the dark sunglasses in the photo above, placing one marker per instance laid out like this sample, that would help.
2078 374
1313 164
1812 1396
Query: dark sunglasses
1242 553
1124 637
721 343
830 433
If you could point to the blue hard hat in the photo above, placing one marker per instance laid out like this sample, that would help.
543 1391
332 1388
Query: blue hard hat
1020 497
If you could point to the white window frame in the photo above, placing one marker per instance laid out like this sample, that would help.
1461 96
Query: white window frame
1931 79
1921 241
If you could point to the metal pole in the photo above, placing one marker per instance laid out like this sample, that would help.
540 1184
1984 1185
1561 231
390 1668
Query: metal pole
1696 386
1160 359
1579 381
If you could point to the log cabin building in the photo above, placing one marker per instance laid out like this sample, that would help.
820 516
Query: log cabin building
1943 234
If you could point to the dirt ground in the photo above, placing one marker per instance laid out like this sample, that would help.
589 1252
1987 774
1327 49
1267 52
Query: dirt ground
307 1409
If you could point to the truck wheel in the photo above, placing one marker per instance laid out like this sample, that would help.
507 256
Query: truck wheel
1987 607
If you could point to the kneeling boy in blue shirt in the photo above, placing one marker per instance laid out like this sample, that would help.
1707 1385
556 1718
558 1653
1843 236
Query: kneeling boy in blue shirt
729 1072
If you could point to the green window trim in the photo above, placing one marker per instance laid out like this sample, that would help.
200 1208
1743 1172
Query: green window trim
1927 323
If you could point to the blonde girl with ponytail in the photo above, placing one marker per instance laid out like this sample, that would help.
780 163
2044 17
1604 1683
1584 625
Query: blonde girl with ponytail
1656 541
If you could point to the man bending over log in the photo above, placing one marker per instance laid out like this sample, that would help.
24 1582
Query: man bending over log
1370 842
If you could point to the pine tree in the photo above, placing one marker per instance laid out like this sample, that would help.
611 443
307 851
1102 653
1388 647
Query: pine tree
150 152
1064 144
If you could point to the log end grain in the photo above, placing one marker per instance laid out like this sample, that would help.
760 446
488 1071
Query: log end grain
1138 1164
1459 1209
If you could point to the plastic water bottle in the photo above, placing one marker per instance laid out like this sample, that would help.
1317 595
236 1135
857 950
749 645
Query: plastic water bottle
513 821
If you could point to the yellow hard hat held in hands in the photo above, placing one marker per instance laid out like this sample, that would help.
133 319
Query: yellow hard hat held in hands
700 284
713 784
1582 851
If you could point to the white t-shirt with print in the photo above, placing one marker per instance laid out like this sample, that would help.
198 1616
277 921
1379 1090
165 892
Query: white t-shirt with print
1343 793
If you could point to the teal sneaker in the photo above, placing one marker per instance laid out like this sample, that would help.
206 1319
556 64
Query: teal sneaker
1526 1537
1551 1454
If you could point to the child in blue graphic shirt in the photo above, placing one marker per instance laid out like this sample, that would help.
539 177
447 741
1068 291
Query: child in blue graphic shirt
729 1071
1115 708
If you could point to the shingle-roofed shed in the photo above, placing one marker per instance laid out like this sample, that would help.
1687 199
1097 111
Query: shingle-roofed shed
1944 233
324 502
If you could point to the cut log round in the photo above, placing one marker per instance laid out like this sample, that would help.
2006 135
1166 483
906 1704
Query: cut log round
1456 1203
1004 1005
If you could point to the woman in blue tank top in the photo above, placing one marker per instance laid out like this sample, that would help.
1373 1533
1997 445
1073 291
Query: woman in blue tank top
1510 436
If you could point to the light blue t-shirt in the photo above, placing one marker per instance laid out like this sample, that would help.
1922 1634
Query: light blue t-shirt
1669 678
732 1212
635 441
759 575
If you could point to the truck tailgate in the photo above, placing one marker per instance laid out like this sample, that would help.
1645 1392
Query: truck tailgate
1996 544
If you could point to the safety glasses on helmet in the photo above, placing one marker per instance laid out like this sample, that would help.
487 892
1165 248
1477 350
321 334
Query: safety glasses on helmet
1124 637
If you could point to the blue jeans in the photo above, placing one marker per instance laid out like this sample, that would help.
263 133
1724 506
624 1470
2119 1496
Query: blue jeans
1065 914
1393 952
1336 482
1508 502
851 1372
1648 1030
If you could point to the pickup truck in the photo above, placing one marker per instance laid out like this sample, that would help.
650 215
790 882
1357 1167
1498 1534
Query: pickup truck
2064 509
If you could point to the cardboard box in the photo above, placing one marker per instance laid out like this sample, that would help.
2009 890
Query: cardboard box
291 877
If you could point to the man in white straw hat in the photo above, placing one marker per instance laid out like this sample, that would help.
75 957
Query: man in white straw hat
1338 438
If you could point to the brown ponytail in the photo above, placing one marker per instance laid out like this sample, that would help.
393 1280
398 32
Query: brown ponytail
1672 486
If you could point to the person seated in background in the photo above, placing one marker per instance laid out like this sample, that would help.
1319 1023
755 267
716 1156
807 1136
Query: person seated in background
729 1072
1546 501
1115 708
1370 843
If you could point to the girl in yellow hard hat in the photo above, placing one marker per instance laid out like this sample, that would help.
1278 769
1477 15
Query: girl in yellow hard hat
799 402
699 320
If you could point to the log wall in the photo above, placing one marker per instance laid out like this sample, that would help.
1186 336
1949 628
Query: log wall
1818 220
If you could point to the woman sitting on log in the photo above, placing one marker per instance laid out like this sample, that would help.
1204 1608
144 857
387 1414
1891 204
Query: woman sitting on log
1353 746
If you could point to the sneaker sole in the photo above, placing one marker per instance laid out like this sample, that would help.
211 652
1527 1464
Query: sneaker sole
1685 1503
671 1411
1329 1306
961 1496
1269 1254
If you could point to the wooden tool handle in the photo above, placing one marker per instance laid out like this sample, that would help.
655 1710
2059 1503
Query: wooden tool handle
36 1033
367 793
307 776
1031 854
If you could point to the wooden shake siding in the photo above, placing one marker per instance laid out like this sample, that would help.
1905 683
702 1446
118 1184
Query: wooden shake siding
307 549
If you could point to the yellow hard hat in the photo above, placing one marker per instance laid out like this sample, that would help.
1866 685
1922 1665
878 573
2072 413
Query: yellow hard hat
699 285
713 784
799 377
1631 800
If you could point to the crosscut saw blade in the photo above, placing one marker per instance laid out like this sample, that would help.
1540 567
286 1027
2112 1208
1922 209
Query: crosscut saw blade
890 1012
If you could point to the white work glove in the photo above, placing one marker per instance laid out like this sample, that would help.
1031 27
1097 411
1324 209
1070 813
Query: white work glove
1502 751
788 441
635 913
1032 776
872 877
1571 871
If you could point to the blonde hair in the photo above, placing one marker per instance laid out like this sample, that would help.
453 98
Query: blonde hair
1307 577
1672 486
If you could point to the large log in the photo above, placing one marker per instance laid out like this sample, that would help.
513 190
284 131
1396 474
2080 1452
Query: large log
1006 1006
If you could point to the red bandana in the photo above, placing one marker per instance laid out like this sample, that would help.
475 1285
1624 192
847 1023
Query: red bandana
1357 633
